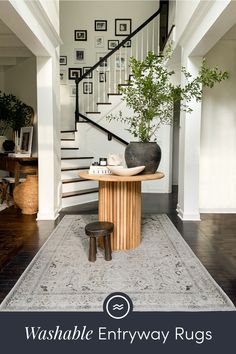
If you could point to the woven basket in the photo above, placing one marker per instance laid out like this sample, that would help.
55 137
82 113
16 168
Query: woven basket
26 195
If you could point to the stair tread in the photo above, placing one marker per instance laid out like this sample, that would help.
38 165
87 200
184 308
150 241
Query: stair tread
93 112
104 103
77 158
81 192
67 139
73 180
75 168
68 131
64 148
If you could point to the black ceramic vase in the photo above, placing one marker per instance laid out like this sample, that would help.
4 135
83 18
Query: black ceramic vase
8 145
143 154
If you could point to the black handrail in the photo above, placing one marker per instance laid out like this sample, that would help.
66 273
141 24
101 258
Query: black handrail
119 45
100 127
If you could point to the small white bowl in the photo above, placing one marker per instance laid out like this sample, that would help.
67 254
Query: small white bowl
122 171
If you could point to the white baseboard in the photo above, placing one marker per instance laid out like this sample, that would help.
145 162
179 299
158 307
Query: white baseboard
188 217
218 210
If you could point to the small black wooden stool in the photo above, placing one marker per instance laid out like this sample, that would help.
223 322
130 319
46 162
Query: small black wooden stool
99 229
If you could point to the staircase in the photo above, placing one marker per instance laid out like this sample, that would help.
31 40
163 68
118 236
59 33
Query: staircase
75 190
91 110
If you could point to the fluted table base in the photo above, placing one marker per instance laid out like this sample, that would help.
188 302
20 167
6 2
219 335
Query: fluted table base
120 203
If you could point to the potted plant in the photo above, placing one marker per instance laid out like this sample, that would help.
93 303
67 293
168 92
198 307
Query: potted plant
14 114
152 96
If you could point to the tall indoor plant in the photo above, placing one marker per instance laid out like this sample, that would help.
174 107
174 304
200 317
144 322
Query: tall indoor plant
152 96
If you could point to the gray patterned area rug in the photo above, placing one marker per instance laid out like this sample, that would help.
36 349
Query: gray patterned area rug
162 274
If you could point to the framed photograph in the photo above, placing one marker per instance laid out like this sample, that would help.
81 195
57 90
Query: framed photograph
79 55
85 69
87 88
63 60
80 35
63 78
100 25
73 73
99 56
127 44
26 137
99 42
102 77
112 44
120 62
123 26
72 90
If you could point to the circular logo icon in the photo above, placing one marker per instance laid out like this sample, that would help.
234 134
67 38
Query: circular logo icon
118 305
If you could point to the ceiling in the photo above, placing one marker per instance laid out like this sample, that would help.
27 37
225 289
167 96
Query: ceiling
12 50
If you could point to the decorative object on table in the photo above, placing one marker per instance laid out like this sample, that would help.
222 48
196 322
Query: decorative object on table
8 145
163 274
99 170
14 114
24 143
122 171
114 159
26 195
147 154
103 161
101 229
154 98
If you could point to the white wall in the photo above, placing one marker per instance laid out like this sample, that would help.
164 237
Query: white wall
218 136
81 15
20 80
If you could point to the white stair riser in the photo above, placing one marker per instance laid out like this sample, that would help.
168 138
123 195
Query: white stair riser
70 135
70 174
79 199
75 163
69 143
78 186
71 153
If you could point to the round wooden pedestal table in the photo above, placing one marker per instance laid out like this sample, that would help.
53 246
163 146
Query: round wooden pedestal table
120 203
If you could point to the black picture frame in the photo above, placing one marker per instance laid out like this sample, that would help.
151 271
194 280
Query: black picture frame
85 69
63 60
100 25
127 44
102 77
123 26
80 35
87 87
79 55
112 43
73 73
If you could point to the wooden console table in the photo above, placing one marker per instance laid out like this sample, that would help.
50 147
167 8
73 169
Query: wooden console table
120 203
18 165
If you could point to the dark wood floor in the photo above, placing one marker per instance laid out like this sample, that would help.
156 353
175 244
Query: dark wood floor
213 240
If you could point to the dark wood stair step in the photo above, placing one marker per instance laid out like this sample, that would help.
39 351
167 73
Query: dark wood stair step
67 139
93 112
68 131
77 158
104 103
114 94
85 191
69 148
75 168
